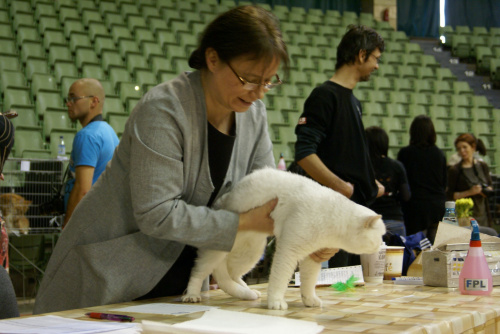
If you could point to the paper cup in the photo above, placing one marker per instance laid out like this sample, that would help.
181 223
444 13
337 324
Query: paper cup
374 266
393 262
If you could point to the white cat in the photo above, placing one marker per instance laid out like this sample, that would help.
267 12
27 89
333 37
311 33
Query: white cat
307 218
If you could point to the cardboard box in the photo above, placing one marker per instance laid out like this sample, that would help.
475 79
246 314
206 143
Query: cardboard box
442 264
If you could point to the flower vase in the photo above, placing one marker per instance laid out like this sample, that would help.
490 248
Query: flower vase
464 221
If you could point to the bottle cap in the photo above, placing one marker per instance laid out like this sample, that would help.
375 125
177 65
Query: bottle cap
474 236
449 204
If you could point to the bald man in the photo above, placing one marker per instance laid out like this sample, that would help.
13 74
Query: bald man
93 145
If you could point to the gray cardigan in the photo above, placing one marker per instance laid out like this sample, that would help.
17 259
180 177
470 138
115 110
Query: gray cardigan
151 200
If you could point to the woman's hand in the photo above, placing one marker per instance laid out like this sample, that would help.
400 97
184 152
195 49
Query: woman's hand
258 219
381 189
475 189
323 254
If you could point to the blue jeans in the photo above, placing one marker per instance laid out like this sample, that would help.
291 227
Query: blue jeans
395 227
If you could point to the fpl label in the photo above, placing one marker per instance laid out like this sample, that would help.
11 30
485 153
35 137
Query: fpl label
476 284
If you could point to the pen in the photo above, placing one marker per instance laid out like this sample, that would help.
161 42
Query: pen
107 316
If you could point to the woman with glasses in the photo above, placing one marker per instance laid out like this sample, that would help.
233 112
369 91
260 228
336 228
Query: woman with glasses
135 234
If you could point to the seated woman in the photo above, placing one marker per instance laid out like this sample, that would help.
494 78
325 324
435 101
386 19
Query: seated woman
392 175
470 178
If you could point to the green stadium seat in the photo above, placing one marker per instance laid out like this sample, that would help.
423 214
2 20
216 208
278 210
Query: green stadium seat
460 100
117 122
420 99
9 47
442 126
48 101
151 49
413 48
68 13
398 124
374 109
440 99
9 62
439 112
128 46
72 26
12 79
47 24
475 42
58 53
128 9
143 35
146 79
27 34
388 71
425 73
445 74
483 56
34 65
97 29
111 59
26 118
113 19
443 87
423 86
79 40
55 120
397 110
84 56
399 97
85 6
93 71
32 50
461 46
369 120
27 140
66 83
6 31
462 114
381 83
104 43
161 65
480 101
43 82
462 87
118 75
23 20
44 10
407 71
107 7
416 109
54 38
429 61
459 127
16 96
484 115
403 85
136 62
113 105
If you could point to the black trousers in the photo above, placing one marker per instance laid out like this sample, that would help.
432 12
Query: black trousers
176 279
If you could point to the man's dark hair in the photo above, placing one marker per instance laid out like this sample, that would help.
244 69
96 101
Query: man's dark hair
357 38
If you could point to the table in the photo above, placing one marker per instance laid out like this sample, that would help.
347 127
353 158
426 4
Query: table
373 308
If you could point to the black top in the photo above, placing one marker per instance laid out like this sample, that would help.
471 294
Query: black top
220 148
426 171
392 175
331 127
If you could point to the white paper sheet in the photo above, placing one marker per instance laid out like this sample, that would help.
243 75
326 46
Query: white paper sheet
221 321
164 308
50 324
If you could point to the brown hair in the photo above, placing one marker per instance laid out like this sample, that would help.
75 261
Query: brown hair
243 30
468 138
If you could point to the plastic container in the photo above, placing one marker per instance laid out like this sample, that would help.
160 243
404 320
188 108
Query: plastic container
281 163
450 216
475 277
374 265
61 148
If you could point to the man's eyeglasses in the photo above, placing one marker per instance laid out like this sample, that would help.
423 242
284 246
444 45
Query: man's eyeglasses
73 99
253 85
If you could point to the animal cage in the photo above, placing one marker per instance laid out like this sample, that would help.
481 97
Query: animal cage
27 194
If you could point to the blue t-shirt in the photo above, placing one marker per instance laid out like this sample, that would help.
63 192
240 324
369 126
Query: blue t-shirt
93 146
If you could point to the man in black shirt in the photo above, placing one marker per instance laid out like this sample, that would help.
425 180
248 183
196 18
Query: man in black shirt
331 145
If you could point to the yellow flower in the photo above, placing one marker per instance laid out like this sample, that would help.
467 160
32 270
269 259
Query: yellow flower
463 207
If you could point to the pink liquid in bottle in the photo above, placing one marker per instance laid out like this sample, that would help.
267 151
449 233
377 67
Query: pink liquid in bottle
475 277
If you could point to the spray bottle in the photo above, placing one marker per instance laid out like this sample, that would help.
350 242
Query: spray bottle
475 276
281 163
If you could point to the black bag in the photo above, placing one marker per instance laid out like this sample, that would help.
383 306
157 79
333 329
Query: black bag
55 206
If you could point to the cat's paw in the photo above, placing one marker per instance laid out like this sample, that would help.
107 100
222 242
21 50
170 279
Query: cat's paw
191 298
277 304
257 293
311 301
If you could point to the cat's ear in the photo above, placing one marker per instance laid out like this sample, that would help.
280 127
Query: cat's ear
370 221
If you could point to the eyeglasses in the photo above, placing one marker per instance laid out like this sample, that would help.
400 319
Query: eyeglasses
253 85
73 99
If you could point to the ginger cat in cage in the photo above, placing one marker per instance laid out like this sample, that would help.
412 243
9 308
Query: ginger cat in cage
307 218
14 208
